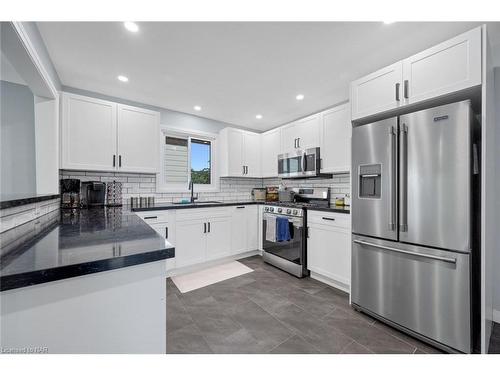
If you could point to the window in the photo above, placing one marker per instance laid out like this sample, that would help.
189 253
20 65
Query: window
185 158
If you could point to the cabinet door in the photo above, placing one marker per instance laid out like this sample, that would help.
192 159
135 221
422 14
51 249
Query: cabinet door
288 138
88 133
251 154
252 227
138 139
235 152
190 242
239 229
448 67
377 92
307 132
218 237
328 253
336 140
165 231
271 148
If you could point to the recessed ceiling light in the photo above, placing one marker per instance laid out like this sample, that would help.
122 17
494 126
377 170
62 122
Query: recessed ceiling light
131 26
388 22
197 108
299 97
122 78
258 117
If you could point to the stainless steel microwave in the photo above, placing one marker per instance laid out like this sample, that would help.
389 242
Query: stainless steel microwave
300 164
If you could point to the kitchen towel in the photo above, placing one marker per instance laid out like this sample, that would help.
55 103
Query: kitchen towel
271 228
282 229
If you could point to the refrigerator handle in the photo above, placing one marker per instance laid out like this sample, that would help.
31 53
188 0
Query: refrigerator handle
403 183
392 181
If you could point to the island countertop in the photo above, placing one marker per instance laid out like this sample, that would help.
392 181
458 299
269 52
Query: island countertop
70 243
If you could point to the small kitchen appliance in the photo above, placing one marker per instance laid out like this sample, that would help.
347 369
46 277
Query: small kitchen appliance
70 192
93 194
259 194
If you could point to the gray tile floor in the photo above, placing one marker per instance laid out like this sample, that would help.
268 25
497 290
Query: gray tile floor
269 311
495 340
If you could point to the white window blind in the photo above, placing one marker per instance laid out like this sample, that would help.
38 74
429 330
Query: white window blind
176 161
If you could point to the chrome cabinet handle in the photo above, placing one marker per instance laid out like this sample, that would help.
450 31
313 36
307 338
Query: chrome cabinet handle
240 207
403 183
298 142
428 256
406 89
204 227
392 180
150 217
295 143
397 91
243 169
208 227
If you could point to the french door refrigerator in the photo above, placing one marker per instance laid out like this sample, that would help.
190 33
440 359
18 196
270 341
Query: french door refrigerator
411 220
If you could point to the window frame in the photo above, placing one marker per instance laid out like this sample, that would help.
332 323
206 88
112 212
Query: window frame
163 187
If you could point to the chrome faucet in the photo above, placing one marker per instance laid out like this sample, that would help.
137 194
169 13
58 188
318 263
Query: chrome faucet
191 187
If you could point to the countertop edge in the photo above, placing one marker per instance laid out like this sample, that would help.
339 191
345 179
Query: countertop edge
331 209
16 281
191 206
28 200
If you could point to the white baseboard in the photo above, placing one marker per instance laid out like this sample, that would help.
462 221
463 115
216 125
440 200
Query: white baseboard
200 266
333 283
496 316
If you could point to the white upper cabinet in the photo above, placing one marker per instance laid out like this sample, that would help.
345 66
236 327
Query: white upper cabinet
138 139
377 92
239 153
336 139
88 133
271 148
251 154
448 67
301 134
105 136
451 66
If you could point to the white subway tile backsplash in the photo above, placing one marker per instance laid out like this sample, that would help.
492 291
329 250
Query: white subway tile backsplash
230 188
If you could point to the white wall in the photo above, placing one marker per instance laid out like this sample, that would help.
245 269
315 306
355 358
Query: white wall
496 267
17 133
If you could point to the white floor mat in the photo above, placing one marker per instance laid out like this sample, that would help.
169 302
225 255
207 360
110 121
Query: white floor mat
199 279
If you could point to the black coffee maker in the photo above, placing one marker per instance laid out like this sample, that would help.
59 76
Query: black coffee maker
93 194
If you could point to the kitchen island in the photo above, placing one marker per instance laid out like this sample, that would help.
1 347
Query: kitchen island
83 281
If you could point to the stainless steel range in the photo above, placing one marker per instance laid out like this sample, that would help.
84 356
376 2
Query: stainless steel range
284 229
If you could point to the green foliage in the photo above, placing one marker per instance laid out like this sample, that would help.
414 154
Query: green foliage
201 177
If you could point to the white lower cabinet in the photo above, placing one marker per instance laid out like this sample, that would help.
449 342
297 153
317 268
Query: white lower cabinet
218 238
164 225
190 244
329 247
244 229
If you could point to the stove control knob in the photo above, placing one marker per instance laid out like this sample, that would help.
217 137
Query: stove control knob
289 211
271 209
295 212
266 209
280 210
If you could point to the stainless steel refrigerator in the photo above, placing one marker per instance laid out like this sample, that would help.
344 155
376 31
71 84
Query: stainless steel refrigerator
412 222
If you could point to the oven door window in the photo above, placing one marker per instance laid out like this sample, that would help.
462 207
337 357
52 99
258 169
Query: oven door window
289 250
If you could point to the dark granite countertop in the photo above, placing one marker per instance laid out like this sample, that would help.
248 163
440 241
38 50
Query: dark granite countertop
13 200
69 243
336 209
159 206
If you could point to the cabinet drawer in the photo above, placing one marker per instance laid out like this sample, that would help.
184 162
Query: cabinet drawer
202 213
152 217
329 219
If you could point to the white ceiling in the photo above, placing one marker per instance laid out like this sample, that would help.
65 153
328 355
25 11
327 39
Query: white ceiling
235 70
